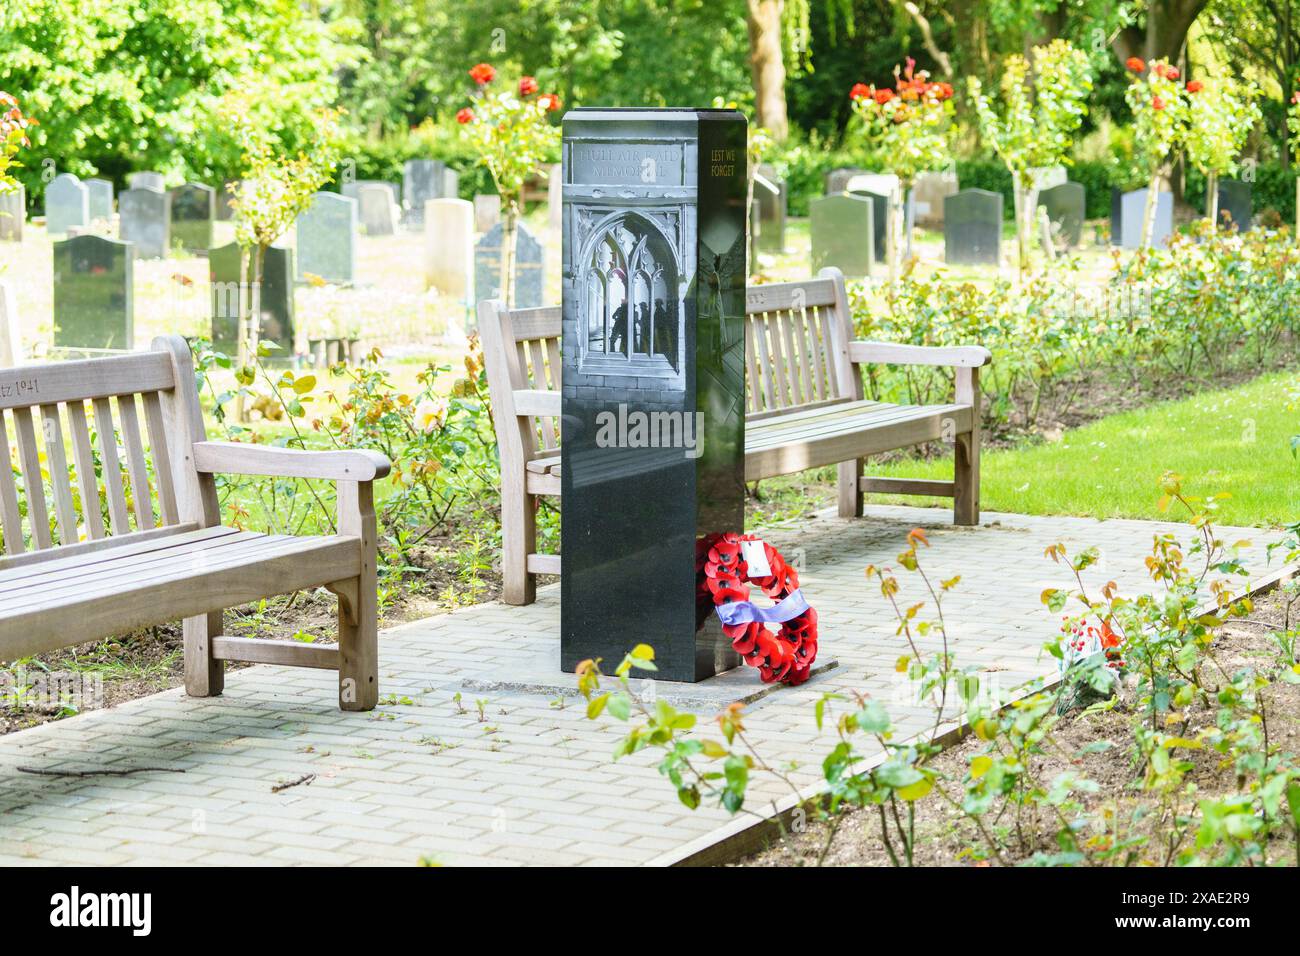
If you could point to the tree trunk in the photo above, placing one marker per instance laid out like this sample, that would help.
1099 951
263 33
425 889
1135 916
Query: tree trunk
894 218
1167 25
248 326
1149 213
1212 200
767 65
509 220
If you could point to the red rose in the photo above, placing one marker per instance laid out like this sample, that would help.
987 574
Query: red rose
1135 64
859 91
1172 73
1157 104
942 90
884 96
464 115
1195 86
549 102
482 73
527 86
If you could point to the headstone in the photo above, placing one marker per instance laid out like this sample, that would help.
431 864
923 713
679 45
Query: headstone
1045 177
555 196
972 228
352 189
194 209
529 267
451 184
327 239
449 246
487 211
770 200
10 353
13 214
1127 211
153 181
228 297
879 219
377 210
101 198
883 184
843 233
653 319
93 294
422 180
837 180
929 192
67 204
145 219
226 212
1066 205
1234 205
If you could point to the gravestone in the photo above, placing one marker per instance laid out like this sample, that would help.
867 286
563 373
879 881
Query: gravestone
529 267
972 228
1234 205
327 239
100 194
843 233
153 181
422 180
352 189
226 212
487 211
1127 211
1066 205
144 218
229 296
653 319
1045 177
377 211
770 201
449 246
93 294
194 209
13 214
837 180
555 196
67 204
879 219
928 194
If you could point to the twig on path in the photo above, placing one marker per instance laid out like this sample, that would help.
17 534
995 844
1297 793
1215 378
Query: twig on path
305 778
97 773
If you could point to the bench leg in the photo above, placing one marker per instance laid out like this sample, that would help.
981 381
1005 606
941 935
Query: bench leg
850 487
359 624
518 541
966 479
205 676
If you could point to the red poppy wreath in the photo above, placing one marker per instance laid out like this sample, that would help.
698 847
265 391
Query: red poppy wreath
726 565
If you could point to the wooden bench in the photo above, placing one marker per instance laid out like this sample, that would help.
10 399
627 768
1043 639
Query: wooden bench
803 399
70 576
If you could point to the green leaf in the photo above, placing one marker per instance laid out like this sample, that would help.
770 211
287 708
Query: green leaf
619 706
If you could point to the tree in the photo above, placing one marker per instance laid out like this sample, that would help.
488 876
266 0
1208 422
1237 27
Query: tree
906 130
1160 113
1032 123
1220 115
1159 31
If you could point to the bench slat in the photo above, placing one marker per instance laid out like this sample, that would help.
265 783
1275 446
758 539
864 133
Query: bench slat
141 497
60 479
42 559
84 456
29 460
814 428
256 650
57 382
162 462
11 519
111 465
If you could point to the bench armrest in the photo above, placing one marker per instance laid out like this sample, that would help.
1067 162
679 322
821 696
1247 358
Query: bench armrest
889 353
238 458
536 401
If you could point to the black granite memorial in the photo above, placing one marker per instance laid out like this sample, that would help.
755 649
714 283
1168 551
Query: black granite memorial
972 228
93 303
653 383
1066 205
228 299
194 209
1234 205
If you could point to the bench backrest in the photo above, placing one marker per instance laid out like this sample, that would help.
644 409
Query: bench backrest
104 452
796 355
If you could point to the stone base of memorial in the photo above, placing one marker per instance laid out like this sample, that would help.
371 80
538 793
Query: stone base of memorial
653 382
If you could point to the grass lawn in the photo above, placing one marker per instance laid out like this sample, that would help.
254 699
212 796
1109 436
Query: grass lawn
1236 441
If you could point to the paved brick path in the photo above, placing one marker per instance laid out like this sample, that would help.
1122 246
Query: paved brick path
533 781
